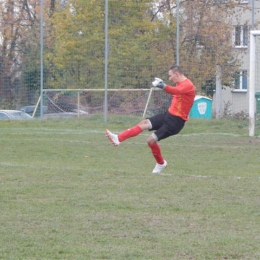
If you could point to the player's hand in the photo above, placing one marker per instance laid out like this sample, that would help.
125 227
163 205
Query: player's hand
158 83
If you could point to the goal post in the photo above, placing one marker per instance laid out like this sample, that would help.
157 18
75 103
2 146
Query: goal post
253 77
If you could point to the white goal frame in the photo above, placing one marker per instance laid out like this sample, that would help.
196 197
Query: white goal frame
80 91
252 75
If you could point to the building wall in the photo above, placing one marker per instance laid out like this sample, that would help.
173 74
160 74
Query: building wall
234 101
237 100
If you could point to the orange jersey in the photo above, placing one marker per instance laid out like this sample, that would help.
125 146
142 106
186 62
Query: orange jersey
182 98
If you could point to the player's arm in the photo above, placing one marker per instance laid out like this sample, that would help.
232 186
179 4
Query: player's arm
181 89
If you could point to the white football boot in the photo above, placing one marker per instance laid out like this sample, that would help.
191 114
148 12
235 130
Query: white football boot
112 137
159 167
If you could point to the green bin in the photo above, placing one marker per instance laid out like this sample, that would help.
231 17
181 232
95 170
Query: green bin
257 96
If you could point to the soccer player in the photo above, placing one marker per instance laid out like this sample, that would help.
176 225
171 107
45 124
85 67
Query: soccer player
164 124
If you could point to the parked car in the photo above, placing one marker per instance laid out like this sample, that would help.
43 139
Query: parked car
14 115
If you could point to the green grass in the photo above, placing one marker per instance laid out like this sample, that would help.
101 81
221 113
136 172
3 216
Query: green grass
67 193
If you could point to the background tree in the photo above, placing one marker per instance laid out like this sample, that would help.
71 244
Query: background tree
142 42
76 45
138 45
30 73
17 17
207 40
20 50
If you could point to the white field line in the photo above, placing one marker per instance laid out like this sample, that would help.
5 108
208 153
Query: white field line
223 177
7 164
32 166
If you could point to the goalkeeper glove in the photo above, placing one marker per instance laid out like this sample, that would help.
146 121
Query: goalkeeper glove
158 83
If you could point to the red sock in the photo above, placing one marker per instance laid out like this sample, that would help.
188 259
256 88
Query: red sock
156 151
136 130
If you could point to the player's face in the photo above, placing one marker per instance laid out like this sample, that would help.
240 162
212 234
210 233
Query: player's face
173 76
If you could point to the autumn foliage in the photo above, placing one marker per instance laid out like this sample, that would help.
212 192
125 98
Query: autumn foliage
142 43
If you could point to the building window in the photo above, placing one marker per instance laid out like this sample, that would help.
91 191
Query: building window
241 36
241 80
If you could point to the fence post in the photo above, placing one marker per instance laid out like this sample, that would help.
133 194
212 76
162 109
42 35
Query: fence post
78 102
41 58
106 59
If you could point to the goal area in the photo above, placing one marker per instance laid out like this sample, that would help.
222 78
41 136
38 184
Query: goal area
254 81
86 102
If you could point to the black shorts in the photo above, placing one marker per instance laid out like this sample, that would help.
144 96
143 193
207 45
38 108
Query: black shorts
166 125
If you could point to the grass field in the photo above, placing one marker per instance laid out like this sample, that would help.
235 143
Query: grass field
67 193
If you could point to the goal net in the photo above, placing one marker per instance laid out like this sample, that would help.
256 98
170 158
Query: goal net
254 81
85 102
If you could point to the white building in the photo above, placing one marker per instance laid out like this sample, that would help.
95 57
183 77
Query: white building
235 99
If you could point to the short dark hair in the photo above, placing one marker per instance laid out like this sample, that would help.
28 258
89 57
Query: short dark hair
176 68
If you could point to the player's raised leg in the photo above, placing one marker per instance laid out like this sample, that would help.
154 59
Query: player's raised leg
131 132
117 139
